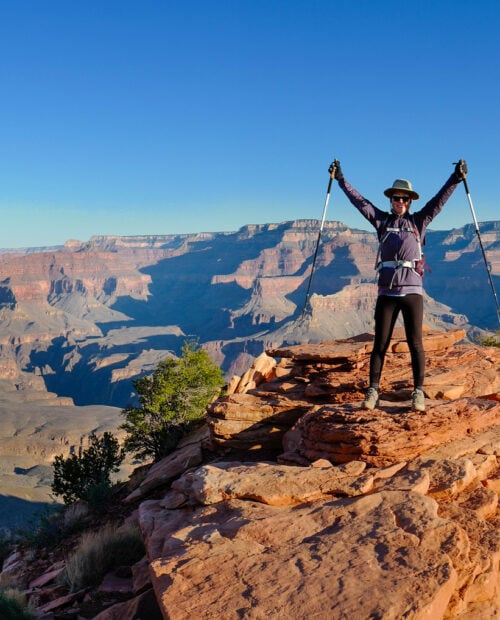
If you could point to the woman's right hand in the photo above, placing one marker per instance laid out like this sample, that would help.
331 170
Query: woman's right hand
461 169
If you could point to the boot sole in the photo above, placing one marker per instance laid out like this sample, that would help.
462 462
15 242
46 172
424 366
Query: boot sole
364 406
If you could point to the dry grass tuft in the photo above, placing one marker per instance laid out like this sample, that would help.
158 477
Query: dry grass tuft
100 552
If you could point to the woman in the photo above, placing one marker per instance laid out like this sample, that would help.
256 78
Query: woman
400 269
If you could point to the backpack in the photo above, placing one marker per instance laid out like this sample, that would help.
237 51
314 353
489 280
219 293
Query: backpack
419 264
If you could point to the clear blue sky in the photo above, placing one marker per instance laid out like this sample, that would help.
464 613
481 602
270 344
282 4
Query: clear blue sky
137 117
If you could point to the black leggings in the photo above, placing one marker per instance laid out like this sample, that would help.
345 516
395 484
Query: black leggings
386 314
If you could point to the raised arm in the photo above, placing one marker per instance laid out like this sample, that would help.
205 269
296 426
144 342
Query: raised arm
435 205
373 214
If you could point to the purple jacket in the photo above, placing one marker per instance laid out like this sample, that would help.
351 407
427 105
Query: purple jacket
401 244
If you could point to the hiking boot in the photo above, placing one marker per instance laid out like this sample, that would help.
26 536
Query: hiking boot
418 401
371 399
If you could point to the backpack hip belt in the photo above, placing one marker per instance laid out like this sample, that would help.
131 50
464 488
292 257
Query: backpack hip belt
396 264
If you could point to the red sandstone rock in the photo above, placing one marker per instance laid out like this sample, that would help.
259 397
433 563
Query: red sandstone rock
62 602
407 524
390 434
115 585
395 531
144 606
46 578
427 504
336 373
261 370
167 470
140 576
276 485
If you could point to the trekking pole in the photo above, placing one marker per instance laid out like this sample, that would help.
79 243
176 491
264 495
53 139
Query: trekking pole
488 268
331 170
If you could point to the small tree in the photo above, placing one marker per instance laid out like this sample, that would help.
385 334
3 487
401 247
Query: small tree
171 401
77 477
492 341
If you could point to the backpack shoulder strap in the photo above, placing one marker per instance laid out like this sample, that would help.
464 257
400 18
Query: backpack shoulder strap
381 233
415 229
417 235
383 229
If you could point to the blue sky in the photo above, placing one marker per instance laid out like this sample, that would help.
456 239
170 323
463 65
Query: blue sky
157 117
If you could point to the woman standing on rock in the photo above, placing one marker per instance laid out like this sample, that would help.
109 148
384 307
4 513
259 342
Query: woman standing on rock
400 267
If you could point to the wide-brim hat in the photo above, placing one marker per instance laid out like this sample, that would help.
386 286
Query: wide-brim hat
401 185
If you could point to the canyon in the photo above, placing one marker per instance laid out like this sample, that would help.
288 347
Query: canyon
78 323
107 310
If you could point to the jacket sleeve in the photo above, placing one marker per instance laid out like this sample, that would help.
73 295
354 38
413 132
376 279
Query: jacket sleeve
434 206
373 214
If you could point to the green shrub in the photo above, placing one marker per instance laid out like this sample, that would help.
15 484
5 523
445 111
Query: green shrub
491 341
171 402
43 529
11 607
100 552
99 496
48 528
76 477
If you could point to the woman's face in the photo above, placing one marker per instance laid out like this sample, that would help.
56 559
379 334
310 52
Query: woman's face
400 203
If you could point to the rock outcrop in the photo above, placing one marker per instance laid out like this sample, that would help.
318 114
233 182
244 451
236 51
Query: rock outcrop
261 540
322 385
383 514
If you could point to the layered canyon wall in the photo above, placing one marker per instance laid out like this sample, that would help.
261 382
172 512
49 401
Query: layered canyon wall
102 312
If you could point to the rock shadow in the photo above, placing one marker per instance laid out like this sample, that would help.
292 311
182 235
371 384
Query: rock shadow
17 513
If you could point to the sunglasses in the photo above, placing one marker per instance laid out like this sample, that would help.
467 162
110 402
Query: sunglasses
398 198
